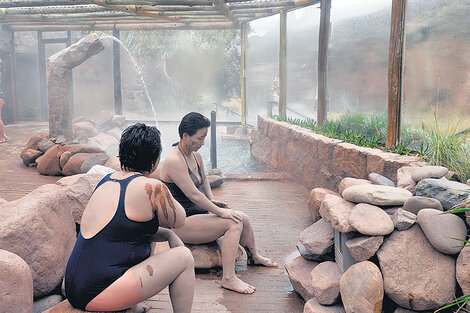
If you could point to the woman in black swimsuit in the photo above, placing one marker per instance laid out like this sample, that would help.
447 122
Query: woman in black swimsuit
208 219
112 266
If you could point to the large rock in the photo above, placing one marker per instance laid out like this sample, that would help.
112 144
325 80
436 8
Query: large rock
48 164
105 142
376 194
35 139
441 229
16 284
78 148
78 189
363 248
335 210
347 182
380 180
95 159
312 306
86 127
29 156
299 270
330 256
318 238
45 144
370 220
362 289
448 193
215 180
315 199
206 256
429 172
74 164
404 179
463 269
40 229
416 203
416 276
45 303
325 281
113 163
403 219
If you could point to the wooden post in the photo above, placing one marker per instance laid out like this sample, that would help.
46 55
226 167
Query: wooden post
13 78
282 63
117 74
323 39
42 76
68 43
395 71
242 72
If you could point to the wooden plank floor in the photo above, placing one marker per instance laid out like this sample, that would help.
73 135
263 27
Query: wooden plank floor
278 210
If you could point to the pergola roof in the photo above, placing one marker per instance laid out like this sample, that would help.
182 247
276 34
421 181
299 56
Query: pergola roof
20 15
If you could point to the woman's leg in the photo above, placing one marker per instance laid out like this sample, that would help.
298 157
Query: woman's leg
203 228
173 268
3 136
247 240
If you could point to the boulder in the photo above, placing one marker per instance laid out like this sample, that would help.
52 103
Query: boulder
118 121
363 248
40 229
381 180
49 164
78 148
115 132
361 288
215 180
416 203
74 164
312 256
404 179
335 210
43 304
325 282
94 159
312 306
103 120
206 256
448 193
30 155
100 169
411 279
376 194
402 310
45 145
35 139
441 229
318 238
86 127
16 284
64 157
349 181
370 220
299 270
403 219
114 163
429 172
315 199
462 269
105 142
78 189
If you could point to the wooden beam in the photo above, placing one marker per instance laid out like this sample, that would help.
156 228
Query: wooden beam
13 77
267 4
38 3
243 38
42 76
282 63
156 2
117 74
225 10
323 39
87 8
395 71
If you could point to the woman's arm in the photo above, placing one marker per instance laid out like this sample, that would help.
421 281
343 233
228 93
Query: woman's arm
165 234
206 187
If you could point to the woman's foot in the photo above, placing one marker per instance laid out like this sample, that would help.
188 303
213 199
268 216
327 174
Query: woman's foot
237 285
259 260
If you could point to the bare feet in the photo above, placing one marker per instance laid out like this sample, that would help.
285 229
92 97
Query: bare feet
237 285
3 139
261 260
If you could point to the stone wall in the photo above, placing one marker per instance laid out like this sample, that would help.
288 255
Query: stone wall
319 161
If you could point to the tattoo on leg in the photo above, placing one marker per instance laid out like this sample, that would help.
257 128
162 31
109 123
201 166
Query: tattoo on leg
150 270
170 202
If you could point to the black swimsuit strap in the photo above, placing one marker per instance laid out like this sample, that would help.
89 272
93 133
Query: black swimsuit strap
189 170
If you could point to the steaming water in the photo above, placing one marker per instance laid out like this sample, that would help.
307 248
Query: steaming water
138 72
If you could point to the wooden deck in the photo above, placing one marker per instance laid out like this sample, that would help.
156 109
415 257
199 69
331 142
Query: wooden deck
278 209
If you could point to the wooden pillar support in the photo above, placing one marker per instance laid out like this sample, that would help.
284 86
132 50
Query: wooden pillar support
117 74
242 74
395 71
42 77
323 39
282 63
13 78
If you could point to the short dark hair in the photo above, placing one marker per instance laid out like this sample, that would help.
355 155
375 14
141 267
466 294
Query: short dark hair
192 122
139 148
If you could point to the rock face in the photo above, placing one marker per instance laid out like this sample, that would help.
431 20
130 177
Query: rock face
40 229
325 281
29 156
404 179
349 181
448 193
403 219
429 172
376 194
416 203
48 164
312 306
45 303
318 238
381 180
362 289
336 210
74 163
299 270
16 284
441 228
463 269
363 248
410 278
370 220
315 199
207 255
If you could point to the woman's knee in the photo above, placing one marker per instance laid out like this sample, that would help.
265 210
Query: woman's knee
185 255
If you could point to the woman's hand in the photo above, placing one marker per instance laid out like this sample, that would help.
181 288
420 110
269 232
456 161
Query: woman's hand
230 214
220 204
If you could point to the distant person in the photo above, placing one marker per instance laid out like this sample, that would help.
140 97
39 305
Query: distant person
207 219
3 136
112 266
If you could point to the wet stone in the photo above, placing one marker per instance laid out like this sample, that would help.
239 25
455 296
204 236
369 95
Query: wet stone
325 281
312 256
381 180
336 210
299 270
448 193
318 238
376 194
363 248
312 306
416 203
462 269
403 219
350 181
370 220
429 172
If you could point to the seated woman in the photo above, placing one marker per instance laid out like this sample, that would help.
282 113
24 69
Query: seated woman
112 266
207 219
